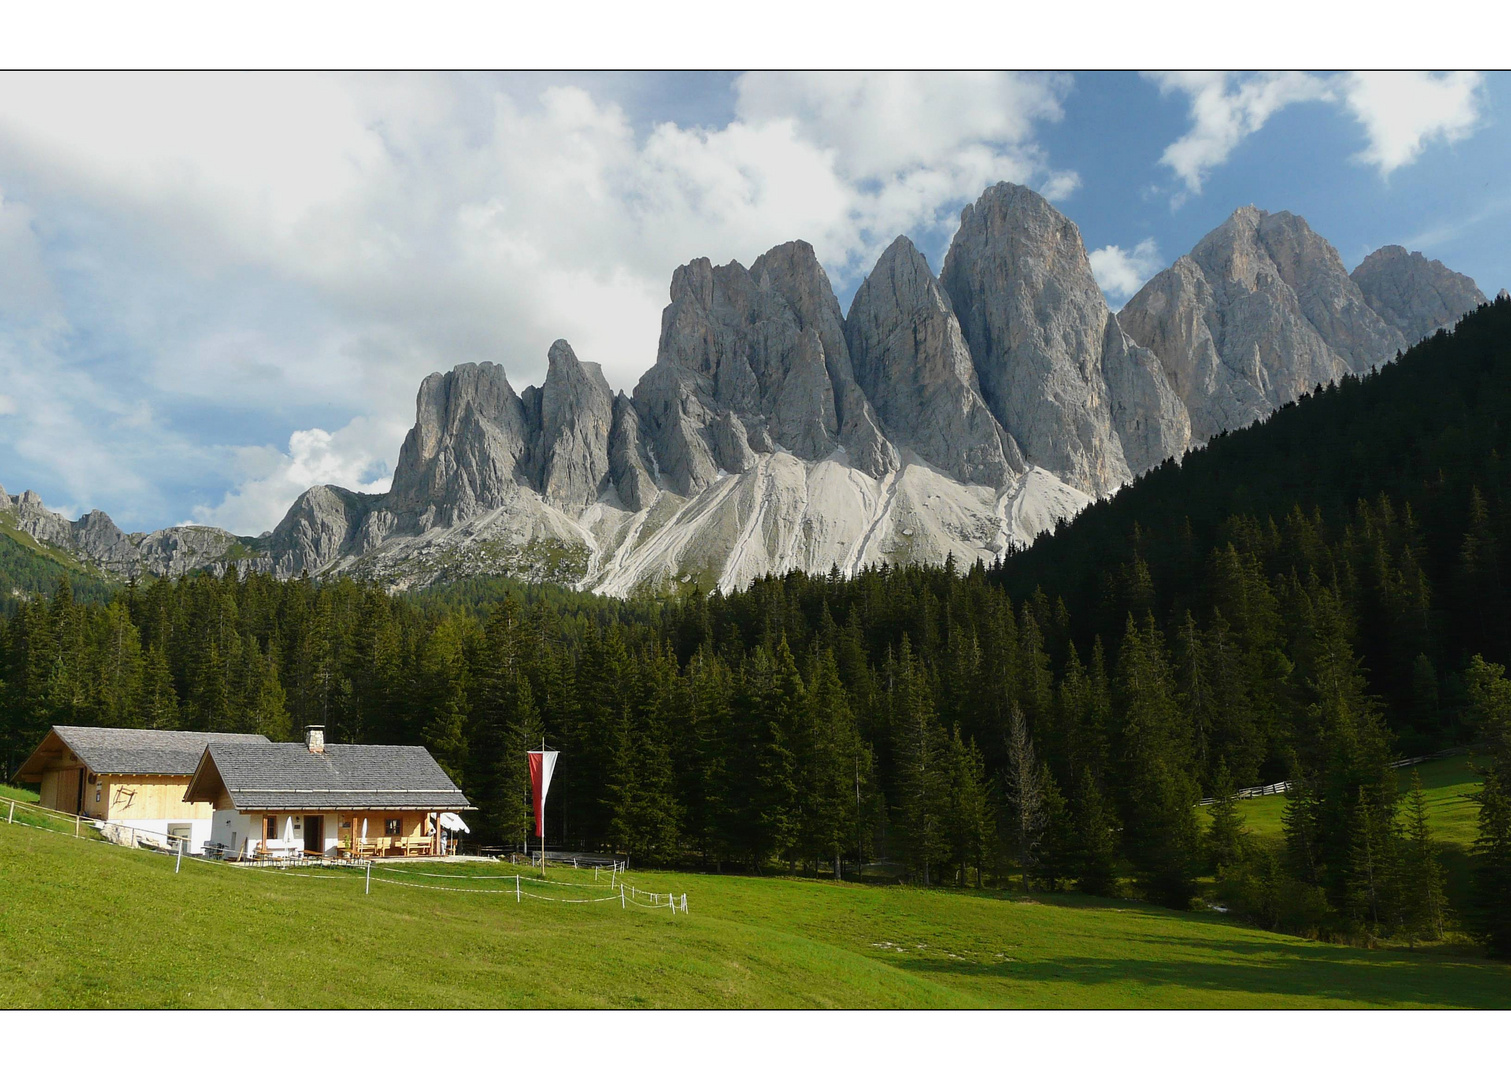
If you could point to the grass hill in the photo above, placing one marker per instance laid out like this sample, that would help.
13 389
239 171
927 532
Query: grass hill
86 923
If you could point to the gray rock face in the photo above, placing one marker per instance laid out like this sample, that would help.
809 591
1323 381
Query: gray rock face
795 273
1037 327
321 526
675 406
629 467
576 415
470 442
912 362
1148 416
741 334
1259 313
1416 295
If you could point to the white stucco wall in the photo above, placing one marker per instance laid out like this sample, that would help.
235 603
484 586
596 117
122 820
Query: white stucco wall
243 832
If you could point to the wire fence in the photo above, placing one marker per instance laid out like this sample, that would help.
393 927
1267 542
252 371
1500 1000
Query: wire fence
34 816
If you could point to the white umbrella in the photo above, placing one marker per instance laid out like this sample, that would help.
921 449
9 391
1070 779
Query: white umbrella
454 823
288 829
364 828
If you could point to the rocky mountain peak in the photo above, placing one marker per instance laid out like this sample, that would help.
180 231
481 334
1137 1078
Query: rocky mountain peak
470 440
1036 324
913 364
1260 312
1414 294
576 415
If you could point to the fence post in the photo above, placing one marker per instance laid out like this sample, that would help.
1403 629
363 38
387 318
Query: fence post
11 820
369 888
76 821
516 888
621 897
180 860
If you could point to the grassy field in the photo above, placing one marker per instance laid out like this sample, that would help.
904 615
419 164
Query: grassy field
1447 783
84 924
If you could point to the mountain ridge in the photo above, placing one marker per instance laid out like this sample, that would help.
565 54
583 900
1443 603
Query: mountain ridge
959 415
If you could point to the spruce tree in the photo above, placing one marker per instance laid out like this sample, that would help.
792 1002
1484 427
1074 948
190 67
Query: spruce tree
1025 795
1159 795
1423 903
1227 838
1095 845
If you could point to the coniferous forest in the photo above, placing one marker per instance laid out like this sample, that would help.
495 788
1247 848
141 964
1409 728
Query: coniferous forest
1306 600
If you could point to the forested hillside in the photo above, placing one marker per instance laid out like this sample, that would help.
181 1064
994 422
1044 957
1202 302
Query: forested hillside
1302 600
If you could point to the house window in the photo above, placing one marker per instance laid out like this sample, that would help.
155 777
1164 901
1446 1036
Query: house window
394 826
270 827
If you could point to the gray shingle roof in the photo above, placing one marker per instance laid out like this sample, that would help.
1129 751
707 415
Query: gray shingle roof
141 752
286 776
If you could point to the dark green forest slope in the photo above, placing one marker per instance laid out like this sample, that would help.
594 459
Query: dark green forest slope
1304 600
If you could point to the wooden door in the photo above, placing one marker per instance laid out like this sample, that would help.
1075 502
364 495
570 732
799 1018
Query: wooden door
314 833
69 792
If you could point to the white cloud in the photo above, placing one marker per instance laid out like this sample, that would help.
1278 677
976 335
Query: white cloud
1402 111
273 479
298 251
1122 273
1225 110
7 405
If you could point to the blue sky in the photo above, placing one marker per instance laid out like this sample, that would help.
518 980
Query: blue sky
216 290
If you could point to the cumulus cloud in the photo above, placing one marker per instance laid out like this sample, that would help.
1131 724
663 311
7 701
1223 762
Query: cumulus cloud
211 262
274 479
1122 273
7 405
1401 112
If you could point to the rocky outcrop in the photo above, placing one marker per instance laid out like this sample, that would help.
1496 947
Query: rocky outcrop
470 442
1259 313
912 362
97 541
630 468
320 527
1038 331
794 272
576 416
1415 295
1148 416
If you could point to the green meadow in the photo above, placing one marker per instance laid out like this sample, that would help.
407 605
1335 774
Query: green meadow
87 925
1446 783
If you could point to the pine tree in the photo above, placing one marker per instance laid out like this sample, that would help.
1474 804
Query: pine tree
1094 831
1489 693
918 757
1057 843
1025 795
1227 838
1424 902
1160 835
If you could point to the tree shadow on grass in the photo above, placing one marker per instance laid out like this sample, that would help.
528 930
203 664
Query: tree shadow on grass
1331 976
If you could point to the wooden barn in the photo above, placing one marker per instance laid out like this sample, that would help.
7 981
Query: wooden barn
130 776
274 799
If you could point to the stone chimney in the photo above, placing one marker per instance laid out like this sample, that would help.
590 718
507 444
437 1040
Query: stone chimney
314 739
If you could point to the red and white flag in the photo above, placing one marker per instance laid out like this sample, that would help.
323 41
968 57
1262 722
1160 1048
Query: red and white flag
542 765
